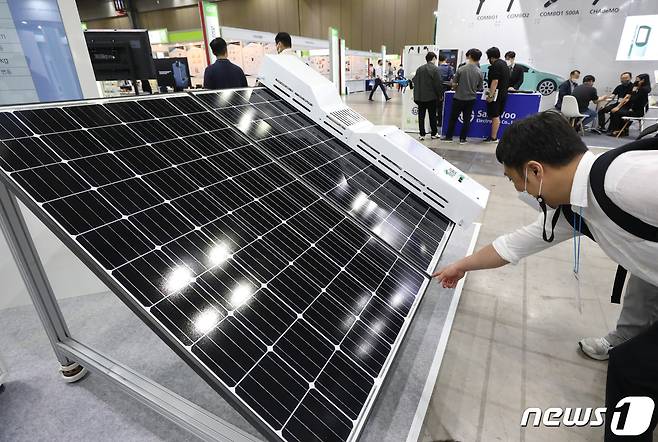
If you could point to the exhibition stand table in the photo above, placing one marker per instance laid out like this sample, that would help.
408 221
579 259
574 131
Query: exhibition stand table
517 107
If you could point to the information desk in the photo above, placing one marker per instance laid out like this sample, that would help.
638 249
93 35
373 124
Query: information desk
518 106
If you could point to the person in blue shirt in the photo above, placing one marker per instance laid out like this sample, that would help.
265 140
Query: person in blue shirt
223 74
400 76
447 71
447 74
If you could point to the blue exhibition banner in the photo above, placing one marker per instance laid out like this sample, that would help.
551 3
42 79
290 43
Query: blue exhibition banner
517 107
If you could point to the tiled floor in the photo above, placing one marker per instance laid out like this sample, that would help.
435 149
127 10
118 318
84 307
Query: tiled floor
514 340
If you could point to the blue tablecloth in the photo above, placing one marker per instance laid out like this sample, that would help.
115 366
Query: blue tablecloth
518 106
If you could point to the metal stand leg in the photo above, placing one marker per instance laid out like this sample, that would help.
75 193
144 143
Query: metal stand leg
3 371
27 259
188 415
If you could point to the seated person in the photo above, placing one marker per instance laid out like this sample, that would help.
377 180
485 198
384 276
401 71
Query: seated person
516 71
585 93
634 105
400 78
624 88
567 87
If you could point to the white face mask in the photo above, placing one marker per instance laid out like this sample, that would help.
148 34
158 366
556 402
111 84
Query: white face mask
509 63
540 203
527 198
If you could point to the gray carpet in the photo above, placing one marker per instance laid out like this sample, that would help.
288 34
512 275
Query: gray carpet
36 405
602 140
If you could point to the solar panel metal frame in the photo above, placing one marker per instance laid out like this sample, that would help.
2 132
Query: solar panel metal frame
159 329
403 332
123 294
449 229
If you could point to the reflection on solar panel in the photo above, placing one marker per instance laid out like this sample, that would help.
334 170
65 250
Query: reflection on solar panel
386 208
280 300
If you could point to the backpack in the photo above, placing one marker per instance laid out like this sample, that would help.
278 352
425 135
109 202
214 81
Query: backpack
625 220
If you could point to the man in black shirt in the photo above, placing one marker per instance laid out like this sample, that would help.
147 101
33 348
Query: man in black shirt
620 92
585 93
634 105
223 74
516 72
498 78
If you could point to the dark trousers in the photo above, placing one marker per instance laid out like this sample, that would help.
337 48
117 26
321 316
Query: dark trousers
616 121
605 110
439 112
633 371
428 107
378 84
465 108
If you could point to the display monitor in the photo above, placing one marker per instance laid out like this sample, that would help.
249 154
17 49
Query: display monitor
120 55
173 73
639 39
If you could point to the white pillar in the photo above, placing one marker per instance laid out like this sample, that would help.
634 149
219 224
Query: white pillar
3 371
334 57
74 34
343 62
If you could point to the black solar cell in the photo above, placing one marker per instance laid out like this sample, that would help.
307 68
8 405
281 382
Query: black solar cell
252 259
387 209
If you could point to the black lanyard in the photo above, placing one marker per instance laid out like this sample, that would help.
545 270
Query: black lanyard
554 221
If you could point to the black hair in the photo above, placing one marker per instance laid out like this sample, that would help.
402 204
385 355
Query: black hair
474 54
546 137
218 46
630 74
510 54
284 39
493 52
589 78
442 57
430 56
573 72
646 78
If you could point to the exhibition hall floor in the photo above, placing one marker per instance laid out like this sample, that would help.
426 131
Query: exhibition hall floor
514 339
513 343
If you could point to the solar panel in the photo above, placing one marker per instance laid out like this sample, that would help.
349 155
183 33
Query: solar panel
277 298
405 222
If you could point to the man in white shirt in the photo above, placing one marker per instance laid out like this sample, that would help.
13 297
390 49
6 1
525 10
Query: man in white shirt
380 75
543 156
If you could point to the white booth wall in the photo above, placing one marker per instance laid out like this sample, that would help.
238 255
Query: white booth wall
31 23
565 35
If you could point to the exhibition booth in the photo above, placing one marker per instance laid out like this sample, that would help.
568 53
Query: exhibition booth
552 40
245 264
201 260
180 59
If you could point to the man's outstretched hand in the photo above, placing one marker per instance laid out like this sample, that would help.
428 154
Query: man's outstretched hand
485 258
450 275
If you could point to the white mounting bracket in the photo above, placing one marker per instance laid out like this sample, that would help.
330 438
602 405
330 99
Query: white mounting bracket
408 161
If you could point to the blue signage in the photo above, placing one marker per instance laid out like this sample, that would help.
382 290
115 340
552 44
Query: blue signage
518 106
